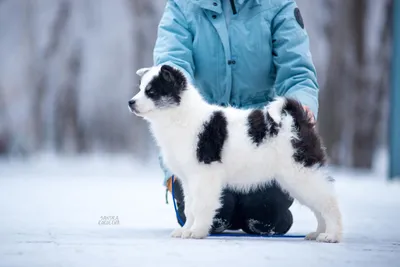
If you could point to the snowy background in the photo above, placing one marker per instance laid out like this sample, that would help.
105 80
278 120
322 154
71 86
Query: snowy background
50 212
70 152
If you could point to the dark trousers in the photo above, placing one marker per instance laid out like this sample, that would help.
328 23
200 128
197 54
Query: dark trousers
262 211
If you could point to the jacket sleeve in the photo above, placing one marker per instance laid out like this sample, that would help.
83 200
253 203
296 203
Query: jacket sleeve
173 47
295 72
174 41
167 173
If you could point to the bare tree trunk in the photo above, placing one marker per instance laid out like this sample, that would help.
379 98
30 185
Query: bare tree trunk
35 77
333 96
68 129
373 89
363 140
4 132
40 71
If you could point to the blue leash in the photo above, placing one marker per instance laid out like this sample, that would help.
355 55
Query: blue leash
228 234
173 200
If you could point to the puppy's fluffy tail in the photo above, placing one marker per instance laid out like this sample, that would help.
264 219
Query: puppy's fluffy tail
309 149
292 107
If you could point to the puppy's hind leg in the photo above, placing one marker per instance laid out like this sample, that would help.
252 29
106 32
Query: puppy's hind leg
312 189
206 201
321 228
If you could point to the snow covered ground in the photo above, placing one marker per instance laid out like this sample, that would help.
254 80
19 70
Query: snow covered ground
50 212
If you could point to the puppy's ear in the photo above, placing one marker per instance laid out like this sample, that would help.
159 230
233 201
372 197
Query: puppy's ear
142 71
167 72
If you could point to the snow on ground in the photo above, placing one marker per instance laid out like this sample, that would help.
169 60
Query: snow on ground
50 209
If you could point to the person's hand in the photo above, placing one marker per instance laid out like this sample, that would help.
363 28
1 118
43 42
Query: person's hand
309 114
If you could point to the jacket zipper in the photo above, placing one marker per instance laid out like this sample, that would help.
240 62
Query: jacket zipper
233 7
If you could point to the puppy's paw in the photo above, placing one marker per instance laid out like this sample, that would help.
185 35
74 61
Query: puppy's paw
328 238
177 233
187 234
199 233
312 236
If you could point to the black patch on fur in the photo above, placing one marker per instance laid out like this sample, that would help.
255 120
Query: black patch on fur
212 139
273 127
257 126
299 17
166 88
308 147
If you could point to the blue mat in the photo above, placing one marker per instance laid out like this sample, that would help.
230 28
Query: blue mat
242 234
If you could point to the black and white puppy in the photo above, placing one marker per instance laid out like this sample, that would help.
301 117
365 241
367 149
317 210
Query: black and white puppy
211 147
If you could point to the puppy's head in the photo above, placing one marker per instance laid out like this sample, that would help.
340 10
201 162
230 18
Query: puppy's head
161 87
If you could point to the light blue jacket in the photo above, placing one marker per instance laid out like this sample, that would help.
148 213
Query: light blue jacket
263 53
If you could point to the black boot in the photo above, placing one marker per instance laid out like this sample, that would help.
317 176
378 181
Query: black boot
266 211
269 227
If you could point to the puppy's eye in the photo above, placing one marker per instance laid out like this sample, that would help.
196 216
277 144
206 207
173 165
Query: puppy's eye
150 92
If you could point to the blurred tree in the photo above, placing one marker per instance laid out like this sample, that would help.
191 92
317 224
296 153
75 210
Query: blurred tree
67 70
353 98
145 16
64 104
145 19
4 131
69 134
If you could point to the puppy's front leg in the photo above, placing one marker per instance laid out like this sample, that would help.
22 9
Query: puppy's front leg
179 232
182 232
189 217
206 201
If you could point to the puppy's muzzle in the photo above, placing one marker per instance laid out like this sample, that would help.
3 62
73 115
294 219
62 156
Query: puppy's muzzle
132 106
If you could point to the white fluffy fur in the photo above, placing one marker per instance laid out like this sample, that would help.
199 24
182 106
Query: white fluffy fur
244 166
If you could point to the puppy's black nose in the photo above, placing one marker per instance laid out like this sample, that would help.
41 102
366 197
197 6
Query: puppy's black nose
131 103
